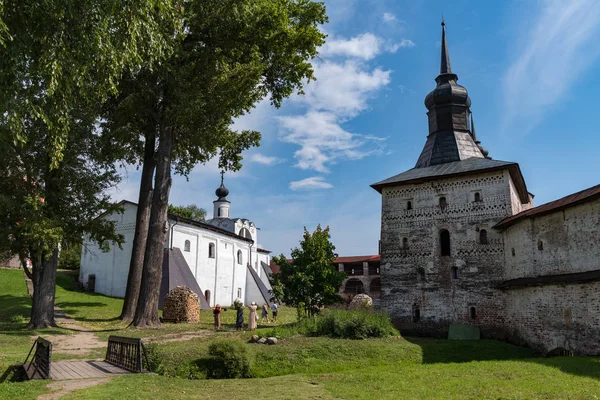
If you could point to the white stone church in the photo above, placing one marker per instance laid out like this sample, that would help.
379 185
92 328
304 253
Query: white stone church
220 259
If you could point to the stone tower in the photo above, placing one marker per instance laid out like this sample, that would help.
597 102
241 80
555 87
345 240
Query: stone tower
440 260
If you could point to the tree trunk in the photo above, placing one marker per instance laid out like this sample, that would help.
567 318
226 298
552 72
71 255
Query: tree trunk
146 313
44 288
142 224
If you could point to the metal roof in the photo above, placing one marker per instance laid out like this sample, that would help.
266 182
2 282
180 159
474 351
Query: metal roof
456 168
560 279
567 201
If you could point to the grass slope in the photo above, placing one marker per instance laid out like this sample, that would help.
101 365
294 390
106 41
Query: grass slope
299 366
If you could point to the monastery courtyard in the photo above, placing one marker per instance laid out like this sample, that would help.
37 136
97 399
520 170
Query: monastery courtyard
297 367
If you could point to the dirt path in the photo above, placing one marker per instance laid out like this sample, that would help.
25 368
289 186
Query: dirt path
63 388
78 344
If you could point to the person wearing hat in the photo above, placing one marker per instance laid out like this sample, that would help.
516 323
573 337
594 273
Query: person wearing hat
253 316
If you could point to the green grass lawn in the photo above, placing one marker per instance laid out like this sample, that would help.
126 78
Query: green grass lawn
298 366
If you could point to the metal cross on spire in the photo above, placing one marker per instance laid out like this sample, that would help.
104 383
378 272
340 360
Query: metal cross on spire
222 175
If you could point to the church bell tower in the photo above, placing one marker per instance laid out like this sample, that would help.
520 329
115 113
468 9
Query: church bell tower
221 205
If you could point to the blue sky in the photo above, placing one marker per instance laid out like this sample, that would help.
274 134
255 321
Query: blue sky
531 69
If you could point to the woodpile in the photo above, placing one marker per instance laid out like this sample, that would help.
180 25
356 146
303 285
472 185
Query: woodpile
181 305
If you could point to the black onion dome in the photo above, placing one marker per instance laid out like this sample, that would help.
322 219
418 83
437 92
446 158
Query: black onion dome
448 93
222 192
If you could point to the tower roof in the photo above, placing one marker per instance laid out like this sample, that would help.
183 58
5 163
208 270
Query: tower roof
448 106
222 191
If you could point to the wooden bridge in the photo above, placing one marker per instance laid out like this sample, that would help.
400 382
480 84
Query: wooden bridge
123 356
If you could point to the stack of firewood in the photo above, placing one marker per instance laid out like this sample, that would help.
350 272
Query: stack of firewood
181 305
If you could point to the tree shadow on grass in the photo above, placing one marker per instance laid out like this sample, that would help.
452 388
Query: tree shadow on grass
459 351
14 305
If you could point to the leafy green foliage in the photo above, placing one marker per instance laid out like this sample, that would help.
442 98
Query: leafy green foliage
310 279
70 254
190 211
229 359
59 55
353 324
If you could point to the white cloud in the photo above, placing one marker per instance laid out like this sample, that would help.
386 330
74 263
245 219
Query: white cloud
388 17
365 46
323 140
343 87
265 160
315 182
558 46
404 43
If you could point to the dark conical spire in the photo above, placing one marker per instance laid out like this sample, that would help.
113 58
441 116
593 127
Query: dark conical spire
448 107
445 62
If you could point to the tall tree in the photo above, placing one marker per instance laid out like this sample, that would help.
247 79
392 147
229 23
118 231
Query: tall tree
56 55
310 280
44 206
191 211
232 54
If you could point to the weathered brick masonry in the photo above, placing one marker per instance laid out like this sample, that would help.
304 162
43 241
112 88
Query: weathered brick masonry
461 243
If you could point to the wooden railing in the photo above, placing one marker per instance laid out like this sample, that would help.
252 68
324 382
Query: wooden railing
126 353
39 367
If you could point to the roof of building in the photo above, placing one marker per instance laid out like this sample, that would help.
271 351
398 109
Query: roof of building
176 272
353 259
263 250
556 205
264 291
457 168
560 279
199 224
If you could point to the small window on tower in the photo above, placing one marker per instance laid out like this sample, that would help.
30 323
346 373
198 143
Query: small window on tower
405 243
445 242
540 245
443 202
416 313
211 250
420 274
483 239
186 246
409 205
239 256
454 272
473 313
239 293
477 196
513 252
219 212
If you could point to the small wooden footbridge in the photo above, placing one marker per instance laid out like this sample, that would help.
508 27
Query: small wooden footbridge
123 356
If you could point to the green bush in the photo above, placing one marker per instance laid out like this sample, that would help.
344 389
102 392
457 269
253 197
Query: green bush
229 359
154 358
349 324
17 319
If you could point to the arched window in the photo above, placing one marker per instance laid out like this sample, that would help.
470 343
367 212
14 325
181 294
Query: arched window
483 239
405 243
416 313
540 245
445 242
409 205
375 287
211 250
353 286
473 313
186 246
239 257
454 272
207 296
477 196
443 202
245 233
420 274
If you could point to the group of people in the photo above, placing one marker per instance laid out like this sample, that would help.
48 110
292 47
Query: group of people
252 317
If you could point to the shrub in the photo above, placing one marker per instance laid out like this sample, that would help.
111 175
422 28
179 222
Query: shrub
229 359
155 359
17 319
350 324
